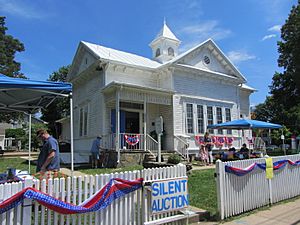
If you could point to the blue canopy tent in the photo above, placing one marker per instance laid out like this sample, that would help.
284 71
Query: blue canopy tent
29 96
245 124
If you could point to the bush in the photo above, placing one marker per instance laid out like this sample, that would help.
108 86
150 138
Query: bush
174 159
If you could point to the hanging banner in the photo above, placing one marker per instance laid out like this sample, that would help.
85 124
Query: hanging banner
169 195
269 168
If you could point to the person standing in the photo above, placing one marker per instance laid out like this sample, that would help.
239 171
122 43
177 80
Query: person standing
96 150
203 155
48 159
208 147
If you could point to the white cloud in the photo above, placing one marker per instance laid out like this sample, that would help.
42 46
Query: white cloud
20 9
197 33
268 37
275 28
239 56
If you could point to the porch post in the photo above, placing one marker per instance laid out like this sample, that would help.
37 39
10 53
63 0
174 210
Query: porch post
29 144
118 124
71 133
145 125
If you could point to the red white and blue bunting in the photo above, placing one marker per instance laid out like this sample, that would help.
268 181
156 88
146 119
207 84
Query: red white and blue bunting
276 166
132 139
115 189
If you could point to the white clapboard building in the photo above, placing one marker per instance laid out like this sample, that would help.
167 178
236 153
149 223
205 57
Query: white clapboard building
120 95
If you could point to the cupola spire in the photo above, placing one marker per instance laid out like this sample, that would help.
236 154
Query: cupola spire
165 44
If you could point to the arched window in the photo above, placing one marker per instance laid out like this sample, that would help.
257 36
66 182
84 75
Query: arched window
157 52
171 51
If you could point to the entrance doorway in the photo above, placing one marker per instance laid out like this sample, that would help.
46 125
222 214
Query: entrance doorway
132 122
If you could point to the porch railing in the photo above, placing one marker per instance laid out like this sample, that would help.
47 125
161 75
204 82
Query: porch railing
130 141
256 143
181 147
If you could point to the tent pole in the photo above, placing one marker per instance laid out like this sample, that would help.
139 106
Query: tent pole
71 130
29 144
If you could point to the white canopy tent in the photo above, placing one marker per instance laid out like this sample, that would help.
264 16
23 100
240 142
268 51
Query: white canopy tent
29 96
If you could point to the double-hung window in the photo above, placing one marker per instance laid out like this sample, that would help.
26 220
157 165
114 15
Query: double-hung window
200 117
210 117
83 120
228 118
189 119
219 118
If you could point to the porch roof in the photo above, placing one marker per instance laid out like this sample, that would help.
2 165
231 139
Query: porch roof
131 92
114 85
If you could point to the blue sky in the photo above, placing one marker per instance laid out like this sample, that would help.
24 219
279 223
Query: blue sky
247 31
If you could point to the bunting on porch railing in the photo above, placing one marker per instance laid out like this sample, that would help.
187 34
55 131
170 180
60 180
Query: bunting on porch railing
132 139
276 166
115 189
199 140
229 141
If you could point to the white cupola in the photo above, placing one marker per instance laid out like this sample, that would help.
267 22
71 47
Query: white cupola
165 45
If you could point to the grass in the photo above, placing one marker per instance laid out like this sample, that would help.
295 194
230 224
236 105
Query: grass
202 190
18 163
110 170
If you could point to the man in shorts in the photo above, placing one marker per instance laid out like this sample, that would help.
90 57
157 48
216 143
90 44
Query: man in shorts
95 150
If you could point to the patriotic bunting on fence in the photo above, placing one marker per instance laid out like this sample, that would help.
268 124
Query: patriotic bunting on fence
276 166
132 140
115 189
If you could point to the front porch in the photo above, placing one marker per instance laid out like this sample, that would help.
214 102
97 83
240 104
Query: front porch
130 113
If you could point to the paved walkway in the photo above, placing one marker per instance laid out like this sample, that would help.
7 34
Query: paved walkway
68 172
282 214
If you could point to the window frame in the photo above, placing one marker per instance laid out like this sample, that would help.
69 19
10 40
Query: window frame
229 131
189 118
219 118
210 121
200 119
83 120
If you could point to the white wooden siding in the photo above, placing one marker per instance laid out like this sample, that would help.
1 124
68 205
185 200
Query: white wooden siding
87 60
198 61
197 85
142 79
88 91
245 104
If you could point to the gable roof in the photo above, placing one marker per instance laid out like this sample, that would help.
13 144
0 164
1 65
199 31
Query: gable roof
210 43
110 54
121 57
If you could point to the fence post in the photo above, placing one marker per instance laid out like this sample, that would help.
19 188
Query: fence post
27 205
219 174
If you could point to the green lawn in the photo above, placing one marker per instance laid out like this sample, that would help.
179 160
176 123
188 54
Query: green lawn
108 170
202 190
17 163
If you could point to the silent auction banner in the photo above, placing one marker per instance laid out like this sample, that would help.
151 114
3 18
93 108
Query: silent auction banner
169 195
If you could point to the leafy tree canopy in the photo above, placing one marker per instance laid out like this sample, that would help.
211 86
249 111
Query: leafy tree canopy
9 46
60 107
283 106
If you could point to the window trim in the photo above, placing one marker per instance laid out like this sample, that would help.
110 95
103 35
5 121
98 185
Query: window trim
191 118
200 119
83 120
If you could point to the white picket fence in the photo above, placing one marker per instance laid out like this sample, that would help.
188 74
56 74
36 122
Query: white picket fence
238 194
124 211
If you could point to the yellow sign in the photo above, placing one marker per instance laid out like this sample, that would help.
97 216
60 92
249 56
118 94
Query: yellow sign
269 168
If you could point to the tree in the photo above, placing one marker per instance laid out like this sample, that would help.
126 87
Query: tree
60 107
9 46
283 106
